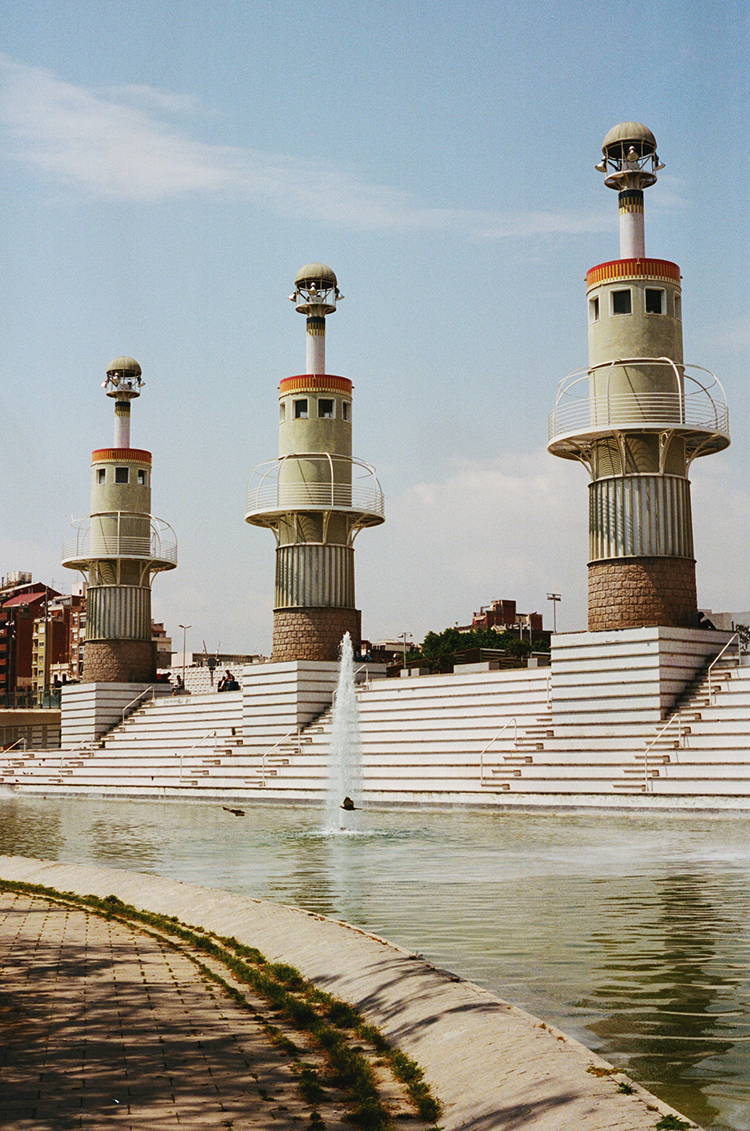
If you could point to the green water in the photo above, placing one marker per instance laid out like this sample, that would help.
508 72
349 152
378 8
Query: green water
630 932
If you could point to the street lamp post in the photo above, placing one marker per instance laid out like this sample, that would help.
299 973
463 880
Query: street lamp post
405 636
184 628
554 598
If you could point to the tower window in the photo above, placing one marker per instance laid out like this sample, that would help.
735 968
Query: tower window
282 411
142 476
622 302
325 408
654 301
345 406
300 410
101 474
594 309
678 306
122 475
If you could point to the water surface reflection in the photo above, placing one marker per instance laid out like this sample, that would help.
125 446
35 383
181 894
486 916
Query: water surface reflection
630 932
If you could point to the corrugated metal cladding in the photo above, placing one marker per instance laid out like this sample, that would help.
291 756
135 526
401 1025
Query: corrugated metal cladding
640 516
314 577
118 612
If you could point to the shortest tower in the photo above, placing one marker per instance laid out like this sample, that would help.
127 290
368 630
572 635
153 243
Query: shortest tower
315 497
120 547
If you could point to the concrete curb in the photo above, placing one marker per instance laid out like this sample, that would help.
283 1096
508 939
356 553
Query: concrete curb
492 1065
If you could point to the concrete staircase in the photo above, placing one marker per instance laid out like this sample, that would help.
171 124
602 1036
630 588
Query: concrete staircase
593 729
169 742
703 748
425 738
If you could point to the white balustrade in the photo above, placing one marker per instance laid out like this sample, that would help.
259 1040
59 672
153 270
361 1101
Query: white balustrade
104 535
315 481
585 406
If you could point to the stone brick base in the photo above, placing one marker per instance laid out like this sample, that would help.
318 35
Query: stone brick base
119 661
313 634
640 592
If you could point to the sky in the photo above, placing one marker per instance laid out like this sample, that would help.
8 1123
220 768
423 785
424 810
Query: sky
167 167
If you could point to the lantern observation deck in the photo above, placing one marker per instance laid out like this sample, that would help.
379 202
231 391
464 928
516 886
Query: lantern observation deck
610 397
315 482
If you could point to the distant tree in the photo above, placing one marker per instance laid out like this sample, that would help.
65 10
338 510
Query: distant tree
440 648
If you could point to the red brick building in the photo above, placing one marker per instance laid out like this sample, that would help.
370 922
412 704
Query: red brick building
19 608
502 615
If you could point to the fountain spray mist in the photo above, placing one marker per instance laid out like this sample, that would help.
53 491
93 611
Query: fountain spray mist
345 755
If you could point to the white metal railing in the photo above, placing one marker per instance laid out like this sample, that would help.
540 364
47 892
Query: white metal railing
676 721
365 682
269 753
130 707
589 400
18 742
737 639
492 742
108 534
315 481
193 748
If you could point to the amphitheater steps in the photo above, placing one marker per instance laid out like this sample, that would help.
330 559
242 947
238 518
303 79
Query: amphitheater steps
466 738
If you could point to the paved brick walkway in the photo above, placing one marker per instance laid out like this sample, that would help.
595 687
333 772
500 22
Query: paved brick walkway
101 1027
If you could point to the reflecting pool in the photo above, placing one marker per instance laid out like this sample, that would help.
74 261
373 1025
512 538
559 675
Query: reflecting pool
630 932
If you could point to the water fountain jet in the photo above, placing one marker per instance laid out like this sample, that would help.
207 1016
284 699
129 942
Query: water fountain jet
345 754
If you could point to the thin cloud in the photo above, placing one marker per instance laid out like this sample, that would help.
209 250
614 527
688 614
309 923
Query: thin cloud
119 144
151 96
516 527
509 527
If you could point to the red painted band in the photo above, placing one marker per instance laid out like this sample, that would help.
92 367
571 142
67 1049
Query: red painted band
127 455
633 269
313 382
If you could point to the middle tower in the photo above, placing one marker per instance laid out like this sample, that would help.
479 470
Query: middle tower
315 497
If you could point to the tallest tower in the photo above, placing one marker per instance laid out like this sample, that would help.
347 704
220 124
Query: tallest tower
637 415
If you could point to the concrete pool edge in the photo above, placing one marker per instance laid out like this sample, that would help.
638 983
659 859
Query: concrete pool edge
491 1064
695 804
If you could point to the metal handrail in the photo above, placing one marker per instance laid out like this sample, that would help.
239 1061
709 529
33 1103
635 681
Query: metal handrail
13 745
648 787
187 753
692 403
268 753
492 741
338 496
640 408
146 691
95 539
330 482
357 683
734 637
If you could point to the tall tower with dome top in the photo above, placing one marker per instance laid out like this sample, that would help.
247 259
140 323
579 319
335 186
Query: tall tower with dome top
120 547
315 496
637 415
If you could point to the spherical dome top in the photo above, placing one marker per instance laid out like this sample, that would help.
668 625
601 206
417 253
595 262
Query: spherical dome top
630 133
316 273
124 365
